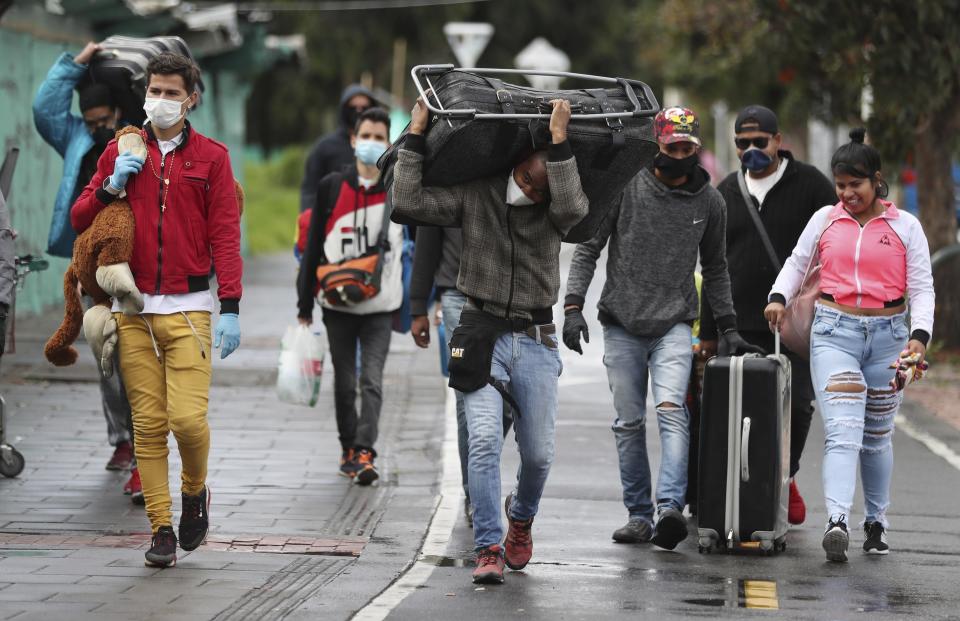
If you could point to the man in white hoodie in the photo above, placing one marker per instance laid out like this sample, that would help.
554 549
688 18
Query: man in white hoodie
345 224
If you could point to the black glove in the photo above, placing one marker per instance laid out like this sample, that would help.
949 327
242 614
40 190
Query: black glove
573 325
732 344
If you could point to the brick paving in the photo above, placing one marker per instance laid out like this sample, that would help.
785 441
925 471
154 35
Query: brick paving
286 530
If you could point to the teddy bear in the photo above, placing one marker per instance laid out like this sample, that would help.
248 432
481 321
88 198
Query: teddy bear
100 265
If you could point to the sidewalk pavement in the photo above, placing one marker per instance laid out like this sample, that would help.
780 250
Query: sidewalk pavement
292 540
286 531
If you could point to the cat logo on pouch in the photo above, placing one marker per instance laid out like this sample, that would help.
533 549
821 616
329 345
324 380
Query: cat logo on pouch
456 352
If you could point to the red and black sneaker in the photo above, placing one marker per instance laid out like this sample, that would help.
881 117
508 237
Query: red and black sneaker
366 471
519 543
122 457
163 548
489 568
797 509
134 489
348 464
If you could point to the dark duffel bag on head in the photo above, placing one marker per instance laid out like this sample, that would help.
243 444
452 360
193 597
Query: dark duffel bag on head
122 65
481 126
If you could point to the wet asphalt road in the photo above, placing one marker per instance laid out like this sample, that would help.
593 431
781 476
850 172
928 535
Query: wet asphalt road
577 572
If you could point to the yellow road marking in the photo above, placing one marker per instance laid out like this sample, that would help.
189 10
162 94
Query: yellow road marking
760 594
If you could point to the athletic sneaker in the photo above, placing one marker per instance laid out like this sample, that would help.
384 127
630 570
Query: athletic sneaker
671 529
194 519
519 543
366 471
836 540
634 531
348 464
489 565
876 542
163 548
122 457
797 509
134 489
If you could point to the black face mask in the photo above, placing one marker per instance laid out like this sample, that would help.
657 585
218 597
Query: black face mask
101 136
672 168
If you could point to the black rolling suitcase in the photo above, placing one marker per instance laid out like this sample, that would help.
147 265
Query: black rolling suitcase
481 126
122 65
744 466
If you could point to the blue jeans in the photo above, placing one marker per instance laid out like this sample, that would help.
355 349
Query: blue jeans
451 303
850 356
668 359
530 369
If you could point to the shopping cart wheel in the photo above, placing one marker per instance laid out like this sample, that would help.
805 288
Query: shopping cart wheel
11 462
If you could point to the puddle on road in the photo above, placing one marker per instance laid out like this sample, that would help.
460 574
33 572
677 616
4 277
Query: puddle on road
755 594
445 561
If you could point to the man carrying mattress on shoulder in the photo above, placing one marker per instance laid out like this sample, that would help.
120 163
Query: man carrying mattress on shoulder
505 346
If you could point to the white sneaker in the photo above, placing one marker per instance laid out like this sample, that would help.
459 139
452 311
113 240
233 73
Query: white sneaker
836 540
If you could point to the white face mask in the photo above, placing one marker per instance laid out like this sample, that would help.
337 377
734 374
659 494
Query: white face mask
163 113
515 195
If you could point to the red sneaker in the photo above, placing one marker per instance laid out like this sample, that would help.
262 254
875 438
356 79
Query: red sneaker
133 488
489 566
122 457
797 509
519 544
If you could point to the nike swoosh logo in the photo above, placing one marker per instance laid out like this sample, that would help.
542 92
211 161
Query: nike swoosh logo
699 221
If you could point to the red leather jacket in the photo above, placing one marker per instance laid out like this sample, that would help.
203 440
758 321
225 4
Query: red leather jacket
174 246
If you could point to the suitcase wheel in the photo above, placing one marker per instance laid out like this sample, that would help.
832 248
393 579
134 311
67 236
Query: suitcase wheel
706 545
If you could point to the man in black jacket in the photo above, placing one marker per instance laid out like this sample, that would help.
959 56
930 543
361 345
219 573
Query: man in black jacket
786 192
333 152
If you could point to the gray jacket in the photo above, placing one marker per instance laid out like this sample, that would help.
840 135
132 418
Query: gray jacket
510 259
655 234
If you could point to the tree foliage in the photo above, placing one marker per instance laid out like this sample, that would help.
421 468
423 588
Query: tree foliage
295 104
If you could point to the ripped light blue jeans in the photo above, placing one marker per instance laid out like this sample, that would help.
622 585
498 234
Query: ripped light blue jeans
668 359
850 357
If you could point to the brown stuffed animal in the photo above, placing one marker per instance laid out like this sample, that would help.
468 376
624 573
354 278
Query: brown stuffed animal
100 264
108 243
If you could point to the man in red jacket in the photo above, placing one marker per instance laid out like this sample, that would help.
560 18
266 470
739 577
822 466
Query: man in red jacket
186 213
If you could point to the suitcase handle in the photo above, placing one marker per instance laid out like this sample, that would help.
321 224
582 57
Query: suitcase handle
745 451
639 111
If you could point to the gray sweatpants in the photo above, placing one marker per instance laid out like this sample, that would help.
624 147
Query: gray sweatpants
116 408
113 397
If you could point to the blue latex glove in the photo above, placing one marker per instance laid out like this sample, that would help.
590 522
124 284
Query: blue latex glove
227 334
127 164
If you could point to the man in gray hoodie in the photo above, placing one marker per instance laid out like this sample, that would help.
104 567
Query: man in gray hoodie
667 214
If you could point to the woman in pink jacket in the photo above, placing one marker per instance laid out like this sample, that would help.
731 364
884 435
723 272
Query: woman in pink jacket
873 257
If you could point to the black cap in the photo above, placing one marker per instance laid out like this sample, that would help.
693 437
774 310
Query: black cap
95 95
765 119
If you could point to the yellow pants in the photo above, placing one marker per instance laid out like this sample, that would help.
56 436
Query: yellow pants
165 363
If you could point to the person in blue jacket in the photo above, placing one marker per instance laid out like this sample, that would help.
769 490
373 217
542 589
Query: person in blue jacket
80 140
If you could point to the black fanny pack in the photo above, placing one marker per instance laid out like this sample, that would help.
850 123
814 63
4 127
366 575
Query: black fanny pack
471 353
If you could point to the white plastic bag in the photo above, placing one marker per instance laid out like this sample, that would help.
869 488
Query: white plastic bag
301 365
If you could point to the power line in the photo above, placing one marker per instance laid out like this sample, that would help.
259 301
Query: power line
342 5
